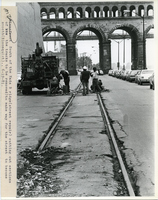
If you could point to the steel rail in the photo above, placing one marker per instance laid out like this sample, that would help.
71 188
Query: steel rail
110 130
52 130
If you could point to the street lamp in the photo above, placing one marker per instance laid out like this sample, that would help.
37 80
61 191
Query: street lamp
118 63
144 40
123 51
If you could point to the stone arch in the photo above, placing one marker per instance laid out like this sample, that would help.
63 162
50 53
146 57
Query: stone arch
123 8
148 28
106 12
79 12
44 10
136 43
58 29
141 10
132 30
149 9
132 11
44 13
90 27
102 42
114 11
97 12
52 13
70 12
67 38
62 11
88 12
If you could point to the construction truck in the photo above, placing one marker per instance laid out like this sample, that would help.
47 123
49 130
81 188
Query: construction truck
37 70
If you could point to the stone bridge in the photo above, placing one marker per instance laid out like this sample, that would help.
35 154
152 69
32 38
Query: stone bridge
102 18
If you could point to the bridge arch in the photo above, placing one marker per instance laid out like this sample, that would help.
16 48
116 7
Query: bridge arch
129 28
149 28
100 34
104 44
136 42
101 19
70 47
58 29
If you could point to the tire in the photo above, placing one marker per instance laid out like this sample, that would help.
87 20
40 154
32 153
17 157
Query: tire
26 90
23 91
151 86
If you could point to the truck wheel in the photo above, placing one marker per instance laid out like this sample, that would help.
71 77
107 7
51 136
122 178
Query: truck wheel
23 91
26 90
29 90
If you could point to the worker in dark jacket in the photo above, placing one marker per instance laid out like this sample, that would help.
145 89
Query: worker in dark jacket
66 77
84 77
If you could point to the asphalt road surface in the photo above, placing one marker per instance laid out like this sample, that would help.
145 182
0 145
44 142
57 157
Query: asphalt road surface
131 109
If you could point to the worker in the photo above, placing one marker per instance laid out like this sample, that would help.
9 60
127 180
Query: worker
95 85
66 77
84 77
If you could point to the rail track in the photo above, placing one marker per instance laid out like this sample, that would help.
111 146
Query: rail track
108 127
53 128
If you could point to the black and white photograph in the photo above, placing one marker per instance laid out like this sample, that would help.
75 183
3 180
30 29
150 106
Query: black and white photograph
84 84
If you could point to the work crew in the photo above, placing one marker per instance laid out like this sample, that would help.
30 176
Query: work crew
84 77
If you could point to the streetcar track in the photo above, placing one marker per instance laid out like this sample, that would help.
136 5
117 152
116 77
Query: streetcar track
52 130
110 131
108 128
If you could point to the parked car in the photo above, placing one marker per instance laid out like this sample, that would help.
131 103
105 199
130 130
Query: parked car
110 72
121 74
117 74
137 76
100 72
131 75
144 76
151 81
124 74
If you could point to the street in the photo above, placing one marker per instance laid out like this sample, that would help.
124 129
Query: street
130 107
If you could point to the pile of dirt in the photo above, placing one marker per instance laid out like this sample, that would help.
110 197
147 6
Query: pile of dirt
35 173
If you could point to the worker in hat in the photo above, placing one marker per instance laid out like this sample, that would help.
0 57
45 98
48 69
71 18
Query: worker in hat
84 77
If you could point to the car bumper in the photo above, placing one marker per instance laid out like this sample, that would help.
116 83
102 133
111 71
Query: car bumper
144 81
131 78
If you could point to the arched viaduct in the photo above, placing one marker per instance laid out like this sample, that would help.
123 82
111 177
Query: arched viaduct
102 18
